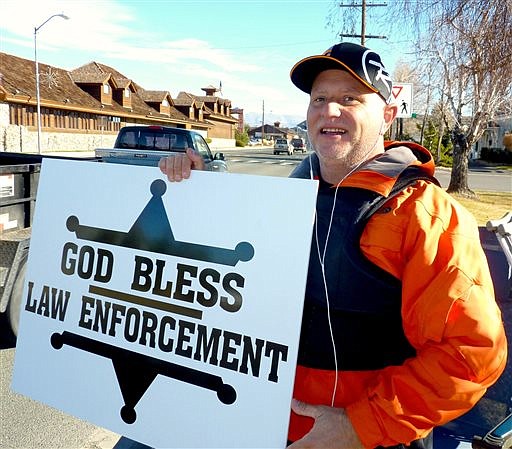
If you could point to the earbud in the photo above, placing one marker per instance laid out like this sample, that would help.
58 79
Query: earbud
382 128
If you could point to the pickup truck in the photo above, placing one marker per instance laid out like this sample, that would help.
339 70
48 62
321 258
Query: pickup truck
487 426
144 145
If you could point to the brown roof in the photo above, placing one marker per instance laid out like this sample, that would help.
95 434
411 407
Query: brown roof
225 101
183 102
207 111
94 73
186 99
207 98
56 85
124 83
61 88
154 96
89 78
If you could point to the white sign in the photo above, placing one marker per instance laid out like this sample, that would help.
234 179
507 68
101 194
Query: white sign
6 186
402 96
166 312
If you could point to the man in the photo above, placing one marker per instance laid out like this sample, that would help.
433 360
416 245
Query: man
401 331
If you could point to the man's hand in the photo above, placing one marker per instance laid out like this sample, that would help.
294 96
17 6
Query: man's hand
178 166
332 428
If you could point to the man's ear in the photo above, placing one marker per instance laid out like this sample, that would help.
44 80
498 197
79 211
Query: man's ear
390 112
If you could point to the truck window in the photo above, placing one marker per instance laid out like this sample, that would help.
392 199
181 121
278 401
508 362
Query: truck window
128 139
202 147
162 142
178 142
156 140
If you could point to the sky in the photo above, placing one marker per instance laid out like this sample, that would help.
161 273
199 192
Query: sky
246 46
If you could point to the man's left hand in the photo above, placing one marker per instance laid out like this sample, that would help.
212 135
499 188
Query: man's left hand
332 428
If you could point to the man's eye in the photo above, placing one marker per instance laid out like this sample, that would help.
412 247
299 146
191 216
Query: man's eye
347 99
318 99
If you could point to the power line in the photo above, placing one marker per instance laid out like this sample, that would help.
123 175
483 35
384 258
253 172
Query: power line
363 34
270 46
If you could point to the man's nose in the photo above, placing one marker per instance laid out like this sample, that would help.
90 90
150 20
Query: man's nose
333 109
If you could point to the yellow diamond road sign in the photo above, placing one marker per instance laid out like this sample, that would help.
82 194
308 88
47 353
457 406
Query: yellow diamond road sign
402 97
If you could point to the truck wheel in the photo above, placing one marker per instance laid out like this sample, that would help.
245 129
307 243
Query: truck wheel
15 300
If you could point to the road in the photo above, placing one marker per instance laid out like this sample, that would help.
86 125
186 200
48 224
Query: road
27 424
263 162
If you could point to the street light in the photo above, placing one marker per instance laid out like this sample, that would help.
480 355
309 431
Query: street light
38 99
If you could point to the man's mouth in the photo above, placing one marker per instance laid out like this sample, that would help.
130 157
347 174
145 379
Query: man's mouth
333 131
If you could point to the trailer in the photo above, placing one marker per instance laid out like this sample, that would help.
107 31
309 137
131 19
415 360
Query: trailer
18 186
19 178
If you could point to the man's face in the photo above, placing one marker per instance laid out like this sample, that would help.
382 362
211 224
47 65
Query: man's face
345 120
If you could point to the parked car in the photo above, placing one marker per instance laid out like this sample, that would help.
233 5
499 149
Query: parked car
253 142
299 144
283 146
149 143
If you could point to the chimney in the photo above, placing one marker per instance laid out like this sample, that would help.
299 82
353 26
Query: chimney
277 124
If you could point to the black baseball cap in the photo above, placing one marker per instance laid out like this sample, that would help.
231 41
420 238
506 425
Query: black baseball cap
362 63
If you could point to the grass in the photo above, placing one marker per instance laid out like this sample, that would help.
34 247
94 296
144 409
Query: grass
488 206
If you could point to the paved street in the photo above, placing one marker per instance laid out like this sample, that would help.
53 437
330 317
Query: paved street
261 161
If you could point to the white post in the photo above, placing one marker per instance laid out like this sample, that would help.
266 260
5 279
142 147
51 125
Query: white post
38 100
38 97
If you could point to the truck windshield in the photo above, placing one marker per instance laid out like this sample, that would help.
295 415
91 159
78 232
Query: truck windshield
152 140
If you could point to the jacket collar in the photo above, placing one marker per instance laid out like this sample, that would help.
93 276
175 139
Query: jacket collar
381 172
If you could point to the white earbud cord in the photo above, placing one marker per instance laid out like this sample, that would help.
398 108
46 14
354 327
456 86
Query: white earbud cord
321 258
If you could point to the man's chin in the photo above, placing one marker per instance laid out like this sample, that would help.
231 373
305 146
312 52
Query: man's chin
338 151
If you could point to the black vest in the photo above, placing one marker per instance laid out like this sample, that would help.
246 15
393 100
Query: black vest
364 300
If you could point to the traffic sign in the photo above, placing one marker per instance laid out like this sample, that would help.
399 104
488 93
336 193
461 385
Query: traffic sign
402 96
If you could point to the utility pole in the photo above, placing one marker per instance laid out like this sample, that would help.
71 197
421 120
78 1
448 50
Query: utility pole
363 34
263 123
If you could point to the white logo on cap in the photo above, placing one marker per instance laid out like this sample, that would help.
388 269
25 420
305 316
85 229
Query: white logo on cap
381 74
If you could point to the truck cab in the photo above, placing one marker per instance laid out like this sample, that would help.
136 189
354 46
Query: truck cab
146 145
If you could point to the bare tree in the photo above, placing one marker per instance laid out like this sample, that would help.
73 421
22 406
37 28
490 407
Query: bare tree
471 41
476 59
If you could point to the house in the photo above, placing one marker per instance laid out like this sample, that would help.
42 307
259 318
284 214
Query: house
493 137
217 110
84 108
270 132
211 109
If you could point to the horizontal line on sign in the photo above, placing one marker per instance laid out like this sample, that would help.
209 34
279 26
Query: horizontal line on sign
140 300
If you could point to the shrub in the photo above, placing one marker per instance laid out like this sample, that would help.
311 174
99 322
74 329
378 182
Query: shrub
241 139
498 155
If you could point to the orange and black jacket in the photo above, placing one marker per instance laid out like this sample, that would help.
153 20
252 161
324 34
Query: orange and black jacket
418 336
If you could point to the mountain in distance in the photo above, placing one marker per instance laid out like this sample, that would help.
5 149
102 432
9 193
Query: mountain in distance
286 121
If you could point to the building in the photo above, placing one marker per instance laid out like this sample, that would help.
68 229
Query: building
270 132
493 137
84 108
209 109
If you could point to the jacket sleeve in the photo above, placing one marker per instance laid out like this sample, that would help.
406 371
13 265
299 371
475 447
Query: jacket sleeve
449 315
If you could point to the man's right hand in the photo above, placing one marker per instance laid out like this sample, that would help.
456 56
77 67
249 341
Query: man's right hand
178 166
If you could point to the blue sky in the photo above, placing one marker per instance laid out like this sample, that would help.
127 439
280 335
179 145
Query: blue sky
174 45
